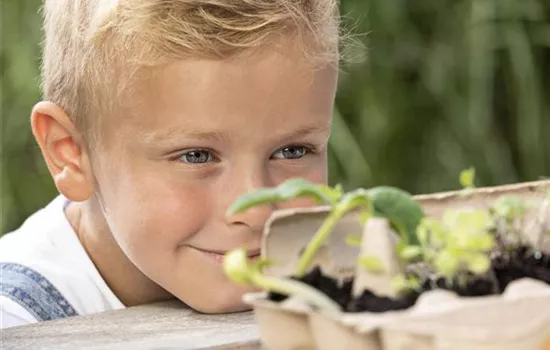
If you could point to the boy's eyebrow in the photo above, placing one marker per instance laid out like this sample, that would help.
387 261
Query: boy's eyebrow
163 136
170 134
306 130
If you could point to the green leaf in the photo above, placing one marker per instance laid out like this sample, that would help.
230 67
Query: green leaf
287 190
477 243
354 240
478 263
467 178
411 252
258 197
371 263
354 199
400 208
260 264
467 222
402 284
446 263
334 194
236 267
509 207
298 187
431 232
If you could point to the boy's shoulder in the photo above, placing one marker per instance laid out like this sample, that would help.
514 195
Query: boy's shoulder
39 235
47 271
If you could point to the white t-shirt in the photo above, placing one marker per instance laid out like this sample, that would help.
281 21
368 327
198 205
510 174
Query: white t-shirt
47 244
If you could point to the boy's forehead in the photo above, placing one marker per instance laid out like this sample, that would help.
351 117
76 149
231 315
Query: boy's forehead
284 80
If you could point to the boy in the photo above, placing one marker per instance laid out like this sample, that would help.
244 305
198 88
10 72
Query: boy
156 116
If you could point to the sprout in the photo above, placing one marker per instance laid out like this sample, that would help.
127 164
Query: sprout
507 213
350 201
460 243
467 178
287 190
238 269
354 240
402 284
371 264
398 206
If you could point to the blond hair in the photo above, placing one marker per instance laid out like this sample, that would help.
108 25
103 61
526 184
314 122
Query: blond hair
92 47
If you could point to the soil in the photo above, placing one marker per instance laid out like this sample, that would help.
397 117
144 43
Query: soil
507 267
342 294
521 262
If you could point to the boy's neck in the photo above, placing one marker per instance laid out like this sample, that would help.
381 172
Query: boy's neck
126 281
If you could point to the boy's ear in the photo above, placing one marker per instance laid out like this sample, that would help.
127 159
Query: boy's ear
63 151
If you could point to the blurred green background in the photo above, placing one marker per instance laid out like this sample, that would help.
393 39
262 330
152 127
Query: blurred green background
446 84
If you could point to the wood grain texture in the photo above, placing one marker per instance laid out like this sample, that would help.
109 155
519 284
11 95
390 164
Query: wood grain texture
167 325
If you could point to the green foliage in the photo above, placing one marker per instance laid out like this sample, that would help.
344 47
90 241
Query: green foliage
403 284
509 208
237 268
396 205
354 240
467 178
371 263
289 189
444 85
460 242
403 212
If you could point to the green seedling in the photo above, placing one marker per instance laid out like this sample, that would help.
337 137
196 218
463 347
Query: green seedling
467 181
290 189
398 206
459 244
467 178
240 271
403 284
371 263
350 201
508 213
354 240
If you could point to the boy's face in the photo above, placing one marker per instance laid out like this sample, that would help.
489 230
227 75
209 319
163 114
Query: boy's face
191 138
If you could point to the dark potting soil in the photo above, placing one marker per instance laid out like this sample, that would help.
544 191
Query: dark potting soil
474 287
342 294
507 267
519 263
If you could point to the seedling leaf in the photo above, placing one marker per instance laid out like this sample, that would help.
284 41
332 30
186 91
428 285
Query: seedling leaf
371 263
467 178
410 253
402 284
298 187
354 240
399 207
478 263
446 263
287 190
236 266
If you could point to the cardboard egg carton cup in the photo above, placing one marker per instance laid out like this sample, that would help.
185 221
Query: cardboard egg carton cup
518 319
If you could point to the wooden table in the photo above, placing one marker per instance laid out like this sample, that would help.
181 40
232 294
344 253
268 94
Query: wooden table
168 325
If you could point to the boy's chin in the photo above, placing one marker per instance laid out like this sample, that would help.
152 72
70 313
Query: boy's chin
226 302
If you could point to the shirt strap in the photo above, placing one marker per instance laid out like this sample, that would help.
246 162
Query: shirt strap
33 292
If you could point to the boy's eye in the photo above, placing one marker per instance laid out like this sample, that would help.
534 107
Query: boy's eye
291 152
196 157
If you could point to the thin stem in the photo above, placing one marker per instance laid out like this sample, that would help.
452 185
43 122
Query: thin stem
296 289
317 241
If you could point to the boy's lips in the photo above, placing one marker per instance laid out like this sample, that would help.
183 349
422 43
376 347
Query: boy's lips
218 255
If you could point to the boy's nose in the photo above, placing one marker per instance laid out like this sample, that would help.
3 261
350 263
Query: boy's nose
254 217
